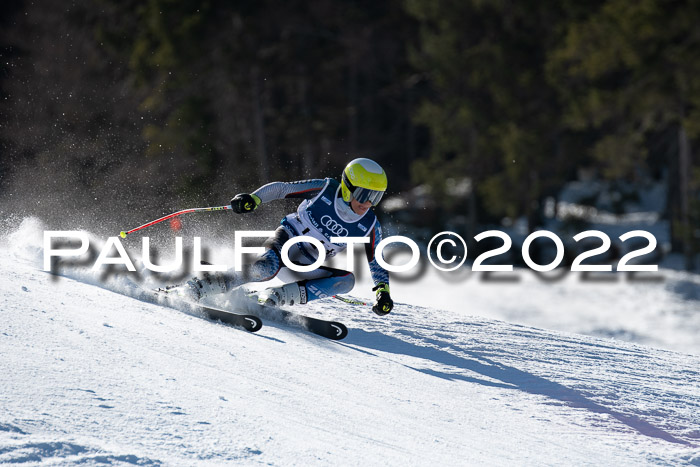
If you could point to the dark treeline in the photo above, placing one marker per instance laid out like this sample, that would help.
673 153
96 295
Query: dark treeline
138 107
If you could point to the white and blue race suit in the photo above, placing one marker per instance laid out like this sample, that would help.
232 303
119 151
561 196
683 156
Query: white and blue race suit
322 214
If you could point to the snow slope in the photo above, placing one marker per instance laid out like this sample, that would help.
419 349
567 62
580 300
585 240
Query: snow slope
656 309
93 376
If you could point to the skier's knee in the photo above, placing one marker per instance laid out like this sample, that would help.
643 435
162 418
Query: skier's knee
329 286
266 267
345 283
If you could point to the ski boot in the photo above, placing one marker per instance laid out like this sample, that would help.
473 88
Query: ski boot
198 288
287 294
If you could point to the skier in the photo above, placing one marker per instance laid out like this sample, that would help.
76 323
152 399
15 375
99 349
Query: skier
329 209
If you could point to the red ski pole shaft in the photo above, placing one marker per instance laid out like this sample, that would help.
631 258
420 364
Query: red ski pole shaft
124 233
351 301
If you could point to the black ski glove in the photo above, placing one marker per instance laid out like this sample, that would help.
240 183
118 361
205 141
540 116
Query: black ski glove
244 202
384 303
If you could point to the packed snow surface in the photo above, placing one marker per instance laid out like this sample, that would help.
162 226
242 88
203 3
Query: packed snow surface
93 372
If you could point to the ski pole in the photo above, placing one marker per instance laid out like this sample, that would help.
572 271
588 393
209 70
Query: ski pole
349 300
123 233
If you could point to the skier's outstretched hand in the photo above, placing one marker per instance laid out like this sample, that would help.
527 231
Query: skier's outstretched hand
244 202
384 303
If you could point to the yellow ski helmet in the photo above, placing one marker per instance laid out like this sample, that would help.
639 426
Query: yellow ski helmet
364 180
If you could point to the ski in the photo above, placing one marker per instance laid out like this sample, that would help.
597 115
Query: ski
329 329
248 313
248 322
333 330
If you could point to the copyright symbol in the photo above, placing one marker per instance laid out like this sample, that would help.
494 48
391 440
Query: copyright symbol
438 251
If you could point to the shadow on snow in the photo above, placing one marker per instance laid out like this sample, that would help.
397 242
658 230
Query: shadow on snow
499 375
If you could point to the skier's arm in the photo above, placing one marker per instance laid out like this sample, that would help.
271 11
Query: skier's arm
305 189
248 202
380 276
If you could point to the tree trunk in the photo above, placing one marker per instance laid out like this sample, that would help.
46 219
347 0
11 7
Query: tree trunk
684 187
472 215
259 119
411 151
307 157
352 104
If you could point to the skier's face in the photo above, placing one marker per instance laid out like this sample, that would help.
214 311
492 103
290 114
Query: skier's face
360 208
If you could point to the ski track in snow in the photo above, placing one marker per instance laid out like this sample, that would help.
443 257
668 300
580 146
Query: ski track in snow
91 376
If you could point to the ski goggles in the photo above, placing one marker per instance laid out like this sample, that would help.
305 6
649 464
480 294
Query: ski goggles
362 195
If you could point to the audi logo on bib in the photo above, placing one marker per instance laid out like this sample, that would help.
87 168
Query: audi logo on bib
336 228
